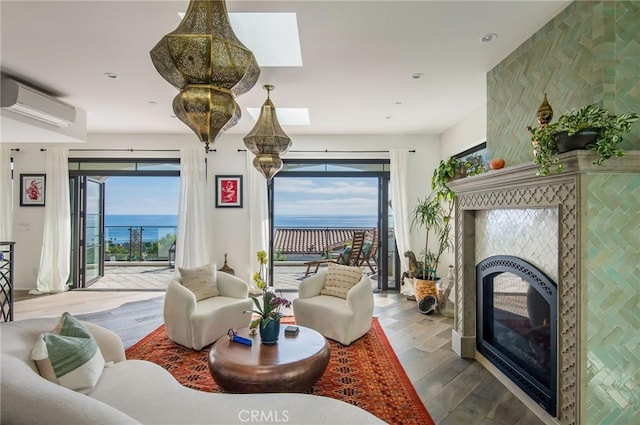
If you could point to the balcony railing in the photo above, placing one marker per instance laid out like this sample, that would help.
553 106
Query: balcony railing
138 243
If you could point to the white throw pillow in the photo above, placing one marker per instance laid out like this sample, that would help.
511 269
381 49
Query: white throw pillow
69 356
340 279
202 281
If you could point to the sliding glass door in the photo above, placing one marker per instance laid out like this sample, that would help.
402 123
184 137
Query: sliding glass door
139 238
87 242
93 231
314 208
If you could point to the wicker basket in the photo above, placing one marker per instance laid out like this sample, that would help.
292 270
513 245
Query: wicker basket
423 288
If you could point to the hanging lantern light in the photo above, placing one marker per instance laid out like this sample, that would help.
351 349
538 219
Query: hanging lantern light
204 59
268 164
267 140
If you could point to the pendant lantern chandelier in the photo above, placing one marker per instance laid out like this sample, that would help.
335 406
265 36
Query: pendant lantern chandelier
204 59
267 141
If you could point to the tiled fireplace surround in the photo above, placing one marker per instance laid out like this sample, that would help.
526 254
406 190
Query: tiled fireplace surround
540 219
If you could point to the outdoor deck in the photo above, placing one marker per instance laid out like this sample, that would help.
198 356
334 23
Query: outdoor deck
294 246
287 277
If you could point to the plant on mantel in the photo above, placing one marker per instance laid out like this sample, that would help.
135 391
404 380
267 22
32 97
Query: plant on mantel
454 168
600 132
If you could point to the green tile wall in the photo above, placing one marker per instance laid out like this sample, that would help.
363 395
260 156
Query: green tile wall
613 299
587 54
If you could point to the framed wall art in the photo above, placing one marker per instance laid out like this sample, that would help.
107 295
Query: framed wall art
32 190
228 191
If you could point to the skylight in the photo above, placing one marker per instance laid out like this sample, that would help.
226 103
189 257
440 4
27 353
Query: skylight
272 37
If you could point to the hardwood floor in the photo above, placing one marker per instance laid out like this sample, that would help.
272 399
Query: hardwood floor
455 391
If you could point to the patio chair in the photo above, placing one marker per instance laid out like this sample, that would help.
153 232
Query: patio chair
370 252
350 256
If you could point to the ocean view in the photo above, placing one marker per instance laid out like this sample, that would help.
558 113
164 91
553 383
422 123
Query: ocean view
326 221
281 221
157 226
140 220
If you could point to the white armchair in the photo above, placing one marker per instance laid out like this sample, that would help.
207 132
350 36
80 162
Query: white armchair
343 320
197 324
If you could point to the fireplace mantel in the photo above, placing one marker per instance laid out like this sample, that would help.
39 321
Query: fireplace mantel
570 193
575 162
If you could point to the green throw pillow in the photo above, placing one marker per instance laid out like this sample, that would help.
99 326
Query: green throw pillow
69 356
366 248
344 256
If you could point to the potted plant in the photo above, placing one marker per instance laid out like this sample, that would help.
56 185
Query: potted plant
435 218
454 168
589 127
434 214
267 316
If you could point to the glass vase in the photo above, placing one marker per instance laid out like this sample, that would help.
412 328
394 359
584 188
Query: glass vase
270 332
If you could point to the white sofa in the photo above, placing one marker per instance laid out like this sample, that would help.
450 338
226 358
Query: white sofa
343 320
196 324
137 391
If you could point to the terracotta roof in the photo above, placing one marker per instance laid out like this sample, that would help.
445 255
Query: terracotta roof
311 241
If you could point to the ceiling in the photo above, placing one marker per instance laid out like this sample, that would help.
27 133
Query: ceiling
358 60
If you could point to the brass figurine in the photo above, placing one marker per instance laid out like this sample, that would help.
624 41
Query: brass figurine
225 268
545 112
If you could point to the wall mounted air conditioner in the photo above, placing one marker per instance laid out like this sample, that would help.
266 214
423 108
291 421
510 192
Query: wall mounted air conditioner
24 100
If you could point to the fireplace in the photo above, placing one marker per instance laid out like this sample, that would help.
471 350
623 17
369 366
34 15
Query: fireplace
561 225
517 325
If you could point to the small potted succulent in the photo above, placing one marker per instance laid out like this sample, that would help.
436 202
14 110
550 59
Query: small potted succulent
589 127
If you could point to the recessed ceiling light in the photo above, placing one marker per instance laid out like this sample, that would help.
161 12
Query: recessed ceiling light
488 38
417 75
286 116
110 75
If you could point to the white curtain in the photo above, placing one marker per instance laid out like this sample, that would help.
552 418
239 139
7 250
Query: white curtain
258 217
399 204
56 240
6 195
192 241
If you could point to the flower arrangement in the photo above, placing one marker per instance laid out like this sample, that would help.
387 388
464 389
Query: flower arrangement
271 305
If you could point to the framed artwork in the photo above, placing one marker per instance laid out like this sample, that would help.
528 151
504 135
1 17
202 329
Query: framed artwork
228 191
32 190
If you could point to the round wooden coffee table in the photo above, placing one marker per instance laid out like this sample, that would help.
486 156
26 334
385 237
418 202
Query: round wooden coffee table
294 364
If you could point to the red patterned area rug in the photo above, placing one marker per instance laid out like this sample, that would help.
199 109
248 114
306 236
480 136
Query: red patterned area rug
366 373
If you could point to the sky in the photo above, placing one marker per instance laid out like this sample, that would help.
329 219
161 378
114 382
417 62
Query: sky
142 195
294 196
323 196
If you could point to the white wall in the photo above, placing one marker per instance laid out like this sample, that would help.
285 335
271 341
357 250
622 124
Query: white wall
466 134
230 226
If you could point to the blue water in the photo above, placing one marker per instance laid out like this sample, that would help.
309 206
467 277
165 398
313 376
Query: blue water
141 220
335 221
157 226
